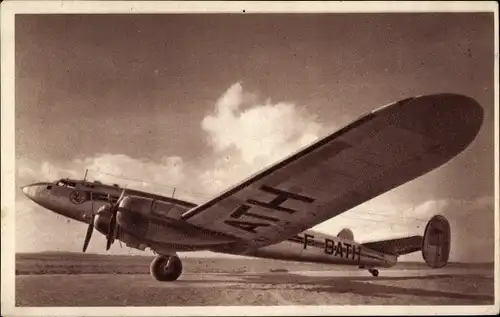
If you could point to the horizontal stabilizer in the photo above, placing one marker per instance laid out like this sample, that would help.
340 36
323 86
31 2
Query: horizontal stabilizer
397 246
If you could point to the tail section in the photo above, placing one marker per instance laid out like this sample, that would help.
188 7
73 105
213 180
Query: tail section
435 244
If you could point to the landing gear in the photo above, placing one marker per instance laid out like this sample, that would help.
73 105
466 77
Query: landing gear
166 268
373 271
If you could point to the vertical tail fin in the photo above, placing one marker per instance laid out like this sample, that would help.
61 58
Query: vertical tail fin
436 242
346 233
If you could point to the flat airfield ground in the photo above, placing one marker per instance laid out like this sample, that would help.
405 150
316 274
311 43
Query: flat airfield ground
55 280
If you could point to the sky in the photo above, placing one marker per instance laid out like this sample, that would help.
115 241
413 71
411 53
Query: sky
200 102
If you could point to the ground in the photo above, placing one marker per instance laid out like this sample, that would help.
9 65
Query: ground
97 280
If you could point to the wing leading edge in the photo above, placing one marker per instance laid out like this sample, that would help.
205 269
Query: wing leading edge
376 153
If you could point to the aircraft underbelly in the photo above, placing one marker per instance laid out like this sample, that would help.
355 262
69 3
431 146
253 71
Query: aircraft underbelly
177 236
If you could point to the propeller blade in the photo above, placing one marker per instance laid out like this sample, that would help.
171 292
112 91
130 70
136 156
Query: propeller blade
90 229
108 244
122 195
110 236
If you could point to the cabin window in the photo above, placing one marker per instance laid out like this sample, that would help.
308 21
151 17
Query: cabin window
161 208
104 197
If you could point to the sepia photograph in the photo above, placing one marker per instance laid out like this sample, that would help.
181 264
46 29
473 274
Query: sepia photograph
211 158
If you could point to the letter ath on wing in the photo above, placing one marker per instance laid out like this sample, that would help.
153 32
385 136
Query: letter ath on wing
262 217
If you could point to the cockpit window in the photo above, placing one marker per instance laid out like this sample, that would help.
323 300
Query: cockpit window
66 183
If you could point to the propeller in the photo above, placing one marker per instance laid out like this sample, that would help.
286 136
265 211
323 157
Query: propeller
90 229
110 237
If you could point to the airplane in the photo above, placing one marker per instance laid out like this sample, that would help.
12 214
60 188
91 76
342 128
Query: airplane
269 215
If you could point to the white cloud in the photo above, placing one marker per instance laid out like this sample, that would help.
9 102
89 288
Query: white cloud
26 172
159 177
247 136
170 170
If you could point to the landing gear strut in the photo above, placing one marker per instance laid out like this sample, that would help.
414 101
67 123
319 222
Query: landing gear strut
166 268
373 271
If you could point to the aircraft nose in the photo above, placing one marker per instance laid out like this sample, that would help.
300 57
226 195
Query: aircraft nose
28 191
32 191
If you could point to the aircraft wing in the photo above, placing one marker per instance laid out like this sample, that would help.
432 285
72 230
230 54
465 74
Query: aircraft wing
376 153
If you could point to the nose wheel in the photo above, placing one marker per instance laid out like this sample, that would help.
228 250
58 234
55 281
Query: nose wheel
166 268
374 272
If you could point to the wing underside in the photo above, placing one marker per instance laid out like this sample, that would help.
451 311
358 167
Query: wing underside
376 153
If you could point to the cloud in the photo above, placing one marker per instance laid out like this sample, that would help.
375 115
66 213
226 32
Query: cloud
248 136
156 176
245 136
169 169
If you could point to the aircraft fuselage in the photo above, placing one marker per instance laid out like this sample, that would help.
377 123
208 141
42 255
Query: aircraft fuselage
164 231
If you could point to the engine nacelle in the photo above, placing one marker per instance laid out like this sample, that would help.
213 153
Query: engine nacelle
135 213
346 233
436 242
146 206
102 220
131 241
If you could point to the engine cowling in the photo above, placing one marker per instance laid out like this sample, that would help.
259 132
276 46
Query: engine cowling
146 206
436 242
102 220
130 219
346 233
135 213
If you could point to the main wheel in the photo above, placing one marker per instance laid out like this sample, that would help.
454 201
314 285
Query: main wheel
166 268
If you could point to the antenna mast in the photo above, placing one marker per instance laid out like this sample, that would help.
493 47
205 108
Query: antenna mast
85 177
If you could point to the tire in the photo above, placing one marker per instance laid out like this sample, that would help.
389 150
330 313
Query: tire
161 272
374 272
